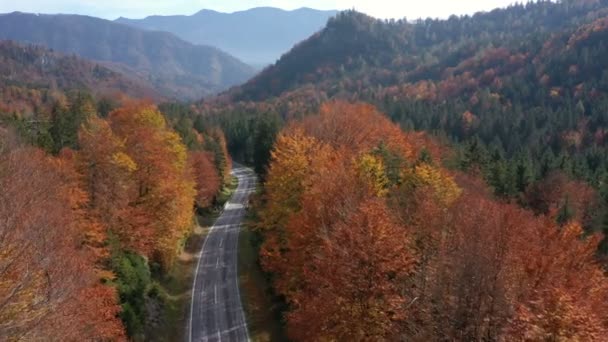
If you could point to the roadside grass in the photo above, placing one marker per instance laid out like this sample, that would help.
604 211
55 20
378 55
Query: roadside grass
175 288
262 308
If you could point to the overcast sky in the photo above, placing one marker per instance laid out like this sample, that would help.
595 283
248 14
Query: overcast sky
112 9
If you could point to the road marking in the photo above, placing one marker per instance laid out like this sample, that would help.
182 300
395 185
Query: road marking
243 180
217 262
198 265
238 293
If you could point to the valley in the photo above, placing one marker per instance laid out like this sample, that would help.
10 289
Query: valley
270 174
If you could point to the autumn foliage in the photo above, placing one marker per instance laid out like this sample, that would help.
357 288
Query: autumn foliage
48 282
207 179
164 186
355 291
131 178
365 241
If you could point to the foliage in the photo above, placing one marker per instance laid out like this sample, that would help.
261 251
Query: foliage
49 286
130 176
371 167
266 131
158 62
425 175
163 196
66 121
431 257
358 296
207 179
521 92
32 78
132 282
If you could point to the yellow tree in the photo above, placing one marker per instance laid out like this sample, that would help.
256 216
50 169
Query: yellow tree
222 158
287 180
162 209
108 173
371 168
444 188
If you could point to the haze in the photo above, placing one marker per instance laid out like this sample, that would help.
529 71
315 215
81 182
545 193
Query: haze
112 9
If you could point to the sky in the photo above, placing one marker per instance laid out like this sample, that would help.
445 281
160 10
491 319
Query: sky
112 9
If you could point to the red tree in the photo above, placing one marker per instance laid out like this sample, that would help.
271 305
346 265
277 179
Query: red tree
208 181
45 264
357 275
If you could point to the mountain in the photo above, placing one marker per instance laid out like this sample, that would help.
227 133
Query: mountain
172 66
513 103
258 36
355 53
31 76
520 93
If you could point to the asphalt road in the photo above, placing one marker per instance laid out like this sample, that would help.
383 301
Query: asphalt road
216 313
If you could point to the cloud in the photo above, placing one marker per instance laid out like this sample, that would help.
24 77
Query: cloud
111 9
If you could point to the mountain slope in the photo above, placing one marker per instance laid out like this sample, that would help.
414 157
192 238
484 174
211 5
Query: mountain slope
174 67
30 76
356 53
521 92
258 36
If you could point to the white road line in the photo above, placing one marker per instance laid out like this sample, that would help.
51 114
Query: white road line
198 264
217 262
244 188
238 293
215 294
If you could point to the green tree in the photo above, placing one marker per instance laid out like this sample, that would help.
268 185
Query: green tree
67 119
265 136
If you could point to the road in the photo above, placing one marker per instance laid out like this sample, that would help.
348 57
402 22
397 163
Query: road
216 313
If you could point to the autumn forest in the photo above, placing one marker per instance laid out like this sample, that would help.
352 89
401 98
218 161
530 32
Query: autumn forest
419 180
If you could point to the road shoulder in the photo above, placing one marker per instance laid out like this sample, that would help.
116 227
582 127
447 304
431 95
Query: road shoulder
262 309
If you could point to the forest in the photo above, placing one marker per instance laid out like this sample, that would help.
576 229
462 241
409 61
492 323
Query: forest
423 180
519 95
95 206
475 213
368 237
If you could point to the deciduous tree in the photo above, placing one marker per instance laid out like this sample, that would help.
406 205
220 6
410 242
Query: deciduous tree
45 265
357 275
162 208
206 176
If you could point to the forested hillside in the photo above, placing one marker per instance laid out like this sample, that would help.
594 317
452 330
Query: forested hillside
175 68
477 221
97 201
99 186
461 55
369 238
436 180
520 93
32 77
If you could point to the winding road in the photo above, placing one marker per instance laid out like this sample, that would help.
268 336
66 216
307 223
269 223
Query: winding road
216 313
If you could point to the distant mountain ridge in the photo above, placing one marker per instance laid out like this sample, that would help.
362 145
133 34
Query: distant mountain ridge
258 36
175 68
